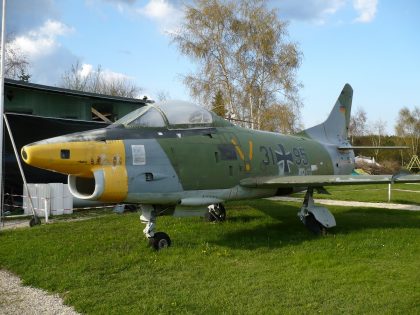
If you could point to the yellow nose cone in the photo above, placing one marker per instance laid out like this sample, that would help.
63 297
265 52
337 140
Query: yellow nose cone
66 158
24 154
34 155
75 158
44 156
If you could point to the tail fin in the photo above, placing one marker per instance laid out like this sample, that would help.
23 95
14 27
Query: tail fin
335 128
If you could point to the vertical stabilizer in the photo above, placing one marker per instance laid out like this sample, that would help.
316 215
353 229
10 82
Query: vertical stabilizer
335 128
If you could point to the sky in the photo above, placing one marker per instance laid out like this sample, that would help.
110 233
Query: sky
372 44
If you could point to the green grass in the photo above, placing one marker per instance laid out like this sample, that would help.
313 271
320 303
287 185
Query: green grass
260 261
401 193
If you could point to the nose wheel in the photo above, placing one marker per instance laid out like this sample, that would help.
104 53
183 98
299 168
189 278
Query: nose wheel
157 240
160 241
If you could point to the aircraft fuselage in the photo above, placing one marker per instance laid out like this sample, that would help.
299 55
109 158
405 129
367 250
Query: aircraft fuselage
198 166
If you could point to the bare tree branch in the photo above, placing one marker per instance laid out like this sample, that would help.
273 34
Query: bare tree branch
95 81
242 52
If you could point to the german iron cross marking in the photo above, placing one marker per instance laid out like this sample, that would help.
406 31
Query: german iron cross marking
284 159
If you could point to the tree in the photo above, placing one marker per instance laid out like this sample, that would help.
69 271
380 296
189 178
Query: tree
408 128
96 81
16 63
163 96
242 50
218 105
377 133
279 118
357 127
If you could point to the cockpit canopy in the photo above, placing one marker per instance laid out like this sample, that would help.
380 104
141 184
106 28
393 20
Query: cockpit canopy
173 115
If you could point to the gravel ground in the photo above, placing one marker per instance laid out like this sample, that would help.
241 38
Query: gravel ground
18 299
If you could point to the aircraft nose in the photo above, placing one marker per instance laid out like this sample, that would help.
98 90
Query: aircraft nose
55 157
24 154
35 155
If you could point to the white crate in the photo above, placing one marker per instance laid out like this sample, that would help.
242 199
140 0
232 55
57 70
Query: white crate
40 194
56 198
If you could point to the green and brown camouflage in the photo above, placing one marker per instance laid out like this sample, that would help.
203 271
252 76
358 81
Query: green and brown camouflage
176 154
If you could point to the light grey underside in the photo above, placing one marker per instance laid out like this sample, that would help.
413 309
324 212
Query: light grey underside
156 162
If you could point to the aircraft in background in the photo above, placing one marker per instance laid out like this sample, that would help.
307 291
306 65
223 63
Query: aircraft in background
176 156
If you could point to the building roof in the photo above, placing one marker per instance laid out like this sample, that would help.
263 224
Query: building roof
62 91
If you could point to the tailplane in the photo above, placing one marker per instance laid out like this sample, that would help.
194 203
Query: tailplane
335 128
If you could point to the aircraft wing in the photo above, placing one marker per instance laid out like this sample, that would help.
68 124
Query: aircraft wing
325 180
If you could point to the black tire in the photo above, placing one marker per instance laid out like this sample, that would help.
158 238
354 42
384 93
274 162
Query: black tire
314 226
160 241
216 215
34 221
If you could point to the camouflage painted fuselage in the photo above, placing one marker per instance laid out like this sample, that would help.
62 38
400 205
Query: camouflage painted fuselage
176 153
190 167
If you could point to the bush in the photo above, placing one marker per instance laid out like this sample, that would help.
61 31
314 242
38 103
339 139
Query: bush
386 167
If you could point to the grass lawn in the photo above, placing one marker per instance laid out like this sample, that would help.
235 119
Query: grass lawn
401 193
260 261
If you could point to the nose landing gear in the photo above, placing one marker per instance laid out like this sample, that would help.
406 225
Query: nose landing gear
157 240
160 240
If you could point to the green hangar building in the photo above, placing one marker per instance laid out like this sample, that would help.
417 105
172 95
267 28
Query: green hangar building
47 101
37 112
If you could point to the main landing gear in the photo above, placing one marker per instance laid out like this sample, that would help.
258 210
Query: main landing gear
157 240
316 219
216 213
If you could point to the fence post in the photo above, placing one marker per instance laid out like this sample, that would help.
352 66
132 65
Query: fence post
389 192
46 209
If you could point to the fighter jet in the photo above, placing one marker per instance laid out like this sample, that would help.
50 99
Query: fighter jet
176 157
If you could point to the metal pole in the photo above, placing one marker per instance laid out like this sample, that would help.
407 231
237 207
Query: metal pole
46 209
389 192
2 43
19 164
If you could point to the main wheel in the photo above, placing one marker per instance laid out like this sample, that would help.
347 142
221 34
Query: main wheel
216 213
160 240
314 226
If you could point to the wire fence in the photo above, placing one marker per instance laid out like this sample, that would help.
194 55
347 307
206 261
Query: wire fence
17 210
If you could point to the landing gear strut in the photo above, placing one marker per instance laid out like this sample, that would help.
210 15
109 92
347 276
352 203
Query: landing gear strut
316 219
216 213
158 240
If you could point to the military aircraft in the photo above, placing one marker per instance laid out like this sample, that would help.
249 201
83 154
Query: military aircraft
178 156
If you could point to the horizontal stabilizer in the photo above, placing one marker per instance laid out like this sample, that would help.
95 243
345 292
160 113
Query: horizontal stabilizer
325 180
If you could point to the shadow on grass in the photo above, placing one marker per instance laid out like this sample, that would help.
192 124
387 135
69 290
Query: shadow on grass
404 201
355 219
286 228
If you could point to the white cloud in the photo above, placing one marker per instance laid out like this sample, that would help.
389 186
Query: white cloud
41 41
53 28
366 9
158 9
164 13
319 10
106 74
312 10
86 70
24 15
48 59
121 1
110 76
